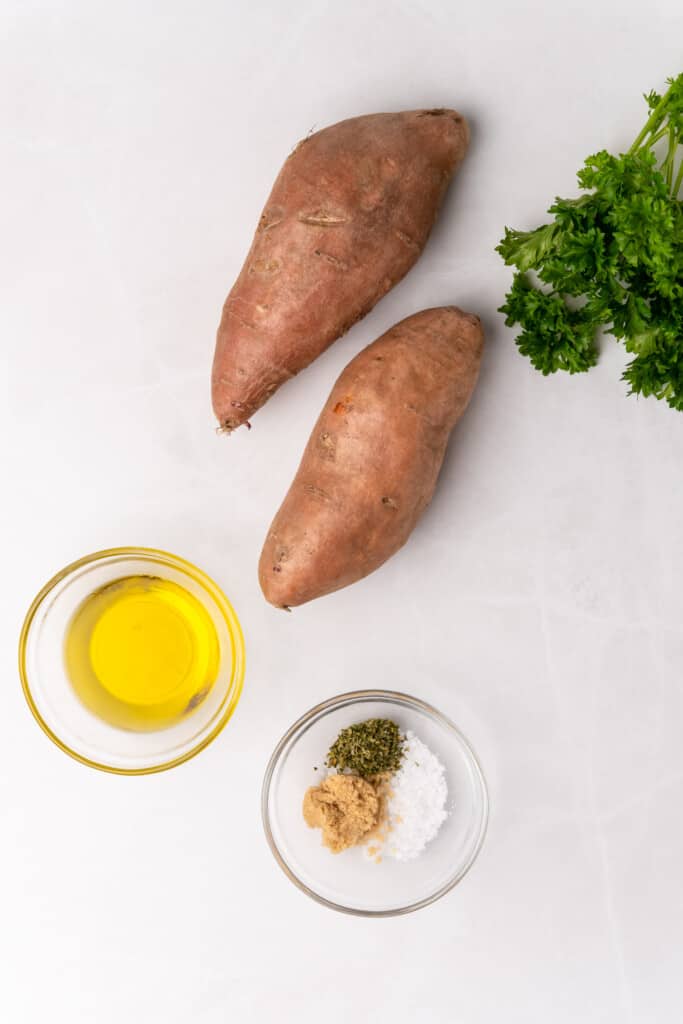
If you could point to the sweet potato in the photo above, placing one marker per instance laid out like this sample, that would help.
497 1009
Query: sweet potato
371 464
348 216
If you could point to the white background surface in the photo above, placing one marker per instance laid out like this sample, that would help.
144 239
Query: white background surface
538 602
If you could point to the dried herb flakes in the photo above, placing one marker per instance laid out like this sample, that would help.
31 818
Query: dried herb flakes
367 748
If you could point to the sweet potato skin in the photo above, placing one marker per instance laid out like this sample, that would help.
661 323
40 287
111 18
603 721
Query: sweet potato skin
348 216
371 464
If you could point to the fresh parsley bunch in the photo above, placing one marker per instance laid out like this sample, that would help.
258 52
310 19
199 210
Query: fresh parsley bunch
612 258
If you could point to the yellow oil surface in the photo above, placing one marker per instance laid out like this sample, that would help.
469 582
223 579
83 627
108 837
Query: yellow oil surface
141 652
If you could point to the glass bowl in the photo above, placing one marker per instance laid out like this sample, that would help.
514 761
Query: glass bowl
351 882
57 708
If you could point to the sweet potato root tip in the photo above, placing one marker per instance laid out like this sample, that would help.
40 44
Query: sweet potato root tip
230 426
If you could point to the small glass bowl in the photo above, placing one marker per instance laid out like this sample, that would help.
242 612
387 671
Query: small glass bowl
350 881
55 705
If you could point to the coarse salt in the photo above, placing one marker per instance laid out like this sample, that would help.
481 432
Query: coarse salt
416 807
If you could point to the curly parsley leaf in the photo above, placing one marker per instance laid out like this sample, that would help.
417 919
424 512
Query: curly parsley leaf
618 250
554 336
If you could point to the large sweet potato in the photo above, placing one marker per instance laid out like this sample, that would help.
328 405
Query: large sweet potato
372 461
349 214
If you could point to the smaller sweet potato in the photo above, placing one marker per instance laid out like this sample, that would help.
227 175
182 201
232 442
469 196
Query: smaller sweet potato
371 464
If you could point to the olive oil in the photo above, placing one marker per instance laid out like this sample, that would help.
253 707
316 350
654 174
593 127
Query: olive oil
141 653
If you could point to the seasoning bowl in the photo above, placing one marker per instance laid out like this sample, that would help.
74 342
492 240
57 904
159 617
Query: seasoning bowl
350 881
67 720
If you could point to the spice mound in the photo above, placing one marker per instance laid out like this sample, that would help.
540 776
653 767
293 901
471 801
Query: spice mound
417 808
385 791
367 748
345 807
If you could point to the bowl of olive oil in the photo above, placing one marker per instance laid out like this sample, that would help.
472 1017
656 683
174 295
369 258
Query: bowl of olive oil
131 660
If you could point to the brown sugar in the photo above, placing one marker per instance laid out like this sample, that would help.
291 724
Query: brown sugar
345 807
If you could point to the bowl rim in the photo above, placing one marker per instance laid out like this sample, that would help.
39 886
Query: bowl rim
348 698
206 582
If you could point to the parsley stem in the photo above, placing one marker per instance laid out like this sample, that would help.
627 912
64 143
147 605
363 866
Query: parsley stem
660 135
678 182
668 165
653 121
